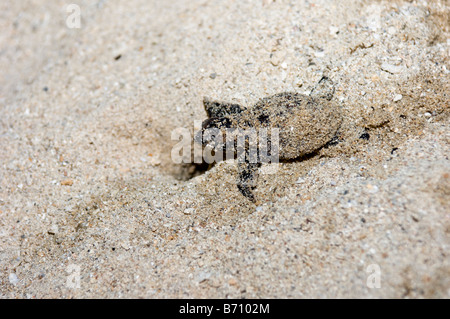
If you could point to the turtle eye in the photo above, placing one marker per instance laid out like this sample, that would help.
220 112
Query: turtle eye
213 122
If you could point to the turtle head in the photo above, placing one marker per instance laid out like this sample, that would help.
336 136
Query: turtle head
213 131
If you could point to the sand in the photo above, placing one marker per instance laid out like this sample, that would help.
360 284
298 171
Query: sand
92 205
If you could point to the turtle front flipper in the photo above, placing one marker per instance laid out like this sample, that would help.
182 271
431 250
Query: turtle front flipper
247 179
220 109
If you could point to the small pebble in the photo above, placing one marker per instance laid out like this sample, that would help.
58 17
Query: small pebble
232 282
277 57
188 211
319 54
298 82
334 30
213 75
391 68
202 276
398 97
53 230
13 279
372 188
67 182
365 136
125 245
392 30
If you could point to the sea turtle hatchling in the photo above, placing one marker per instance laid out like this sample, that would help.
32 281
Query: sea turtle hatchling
305 124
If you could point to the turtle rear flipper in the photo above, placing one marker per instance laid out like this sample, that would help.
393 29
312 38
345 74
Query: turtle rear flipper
220 109
247 178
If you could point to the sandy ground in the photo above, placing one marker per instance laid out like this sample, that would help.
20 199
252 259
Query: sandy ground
91 204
